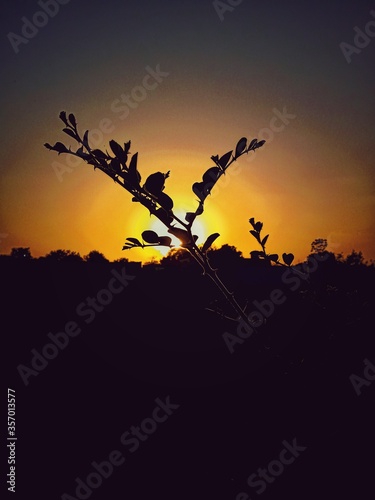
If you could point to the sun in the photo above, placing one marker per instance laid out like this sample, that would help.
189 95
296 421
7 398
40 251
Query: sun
159 228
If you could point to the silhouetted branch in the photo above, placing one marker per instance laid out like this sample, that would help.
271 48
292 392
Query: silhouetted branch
152 196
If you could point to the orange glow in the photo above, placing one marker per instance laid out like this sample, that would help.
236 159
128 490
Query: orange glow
283 185
219 81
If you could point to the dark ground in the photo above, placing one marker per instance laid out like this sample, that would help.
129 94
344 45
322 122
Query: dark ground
154 340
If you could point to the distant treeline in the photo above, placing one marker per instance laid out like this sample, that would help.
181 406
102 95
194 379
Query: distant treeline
224 256
321 301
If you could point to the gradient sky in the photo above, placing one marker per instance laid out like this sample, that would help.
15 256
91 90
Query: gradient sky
313 179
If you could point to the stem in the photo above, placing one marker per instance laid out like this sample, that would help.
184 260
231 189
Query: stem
228 295
212 274
184 224
203 261
221 314
192 248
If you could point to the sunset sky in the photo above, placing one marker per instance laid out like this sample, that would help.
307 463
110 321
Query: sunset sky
223 75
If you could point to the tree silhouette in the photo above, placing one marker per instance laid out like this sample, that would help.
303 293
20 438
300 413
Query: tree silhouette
96 258
152 196
319 245
355 259
21 253
226 255
58 256
176 257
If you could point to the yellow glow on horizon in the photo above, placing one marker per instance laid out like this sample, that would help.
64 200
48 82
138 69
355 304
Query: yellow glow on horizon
161 230
88 211
186 167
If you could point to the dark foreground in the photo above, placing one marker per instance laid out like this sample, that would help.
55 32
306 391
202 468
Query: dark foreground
135 394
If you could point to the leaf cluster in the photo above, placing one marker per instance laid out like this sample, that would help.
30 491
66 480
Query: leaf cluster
122 167
262 254
203 188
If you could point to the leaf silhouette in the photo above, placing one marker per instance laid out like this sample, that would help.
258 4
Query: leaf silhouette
62 117
72 120
288 258
209 241
255 234
274 257
85 139
155 183
118 151
165 201
241 146
98 153
203 189
259 144
264 240
70 132
224 160
198 189
164 216
252 222
132 244
80 152
134 175
165 241
135 241
211 174
181 234
60 148
258 226
150 237
252 144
